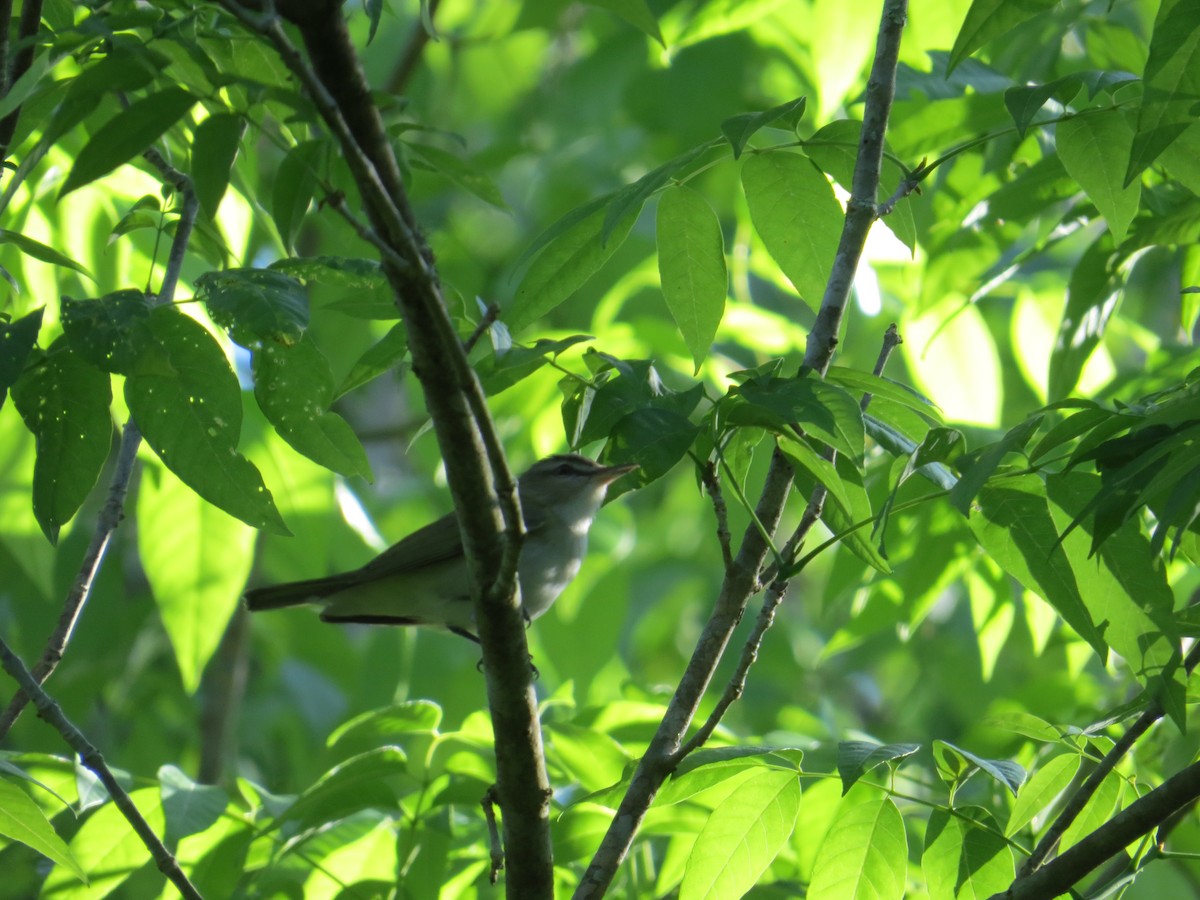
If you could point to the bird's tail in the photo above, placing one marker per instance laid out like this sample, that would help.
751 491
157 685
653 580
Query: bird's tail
294 593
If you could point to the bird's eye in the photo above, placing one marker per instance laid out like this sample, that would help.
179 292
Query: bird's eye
564 469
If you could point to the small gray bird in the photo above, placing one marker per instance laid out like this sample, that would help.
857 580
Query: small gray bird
424 580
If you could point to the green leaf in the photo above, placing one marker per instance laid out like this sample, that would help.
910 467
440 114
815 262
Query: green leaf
821 470
956 765
739 129
1092 148
17 339
884 388
189 808
381 726
125 68
653 437
214 149
1092 294
635 12
126 135
1096 812
1015 526
986 461
712 766
187 402
989 19
1025 101
22 820
691 267
797 216
64 402
294 388
197 560
459 172
383 356
965 857
591 758
366 781
865 853
112 332
38 250
856 758
294 186
500 371
628 202
825 411
564 266
336 271
1042 788
742 836
107 849
1171 83
255 305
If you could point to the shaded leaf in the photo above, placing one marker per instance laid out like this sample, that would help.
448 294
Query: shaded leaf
989 19
739 129
111 332
856 758
383 356
17 339
214 149
187 402
126 135
255 305
1092 149
64 402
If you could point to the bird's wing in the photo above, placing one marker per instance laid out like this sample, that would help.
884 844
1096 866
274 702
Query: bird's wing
438 541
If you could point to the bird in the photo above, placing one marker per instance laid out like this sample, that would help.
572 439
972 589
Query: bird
424 579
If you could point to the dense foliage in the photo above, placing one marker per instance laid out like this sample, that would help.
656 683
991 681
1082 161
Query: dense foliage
634 207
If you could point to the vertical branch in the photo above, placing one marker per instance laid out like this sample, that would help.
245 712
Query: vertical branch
481 484
31 20
91 757
742 578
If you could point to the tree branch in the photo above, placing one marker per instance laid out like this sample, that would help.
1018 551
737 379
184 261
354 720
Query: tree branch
1139 818
31 21
742 578
483 489
1079 799
91 757
113 511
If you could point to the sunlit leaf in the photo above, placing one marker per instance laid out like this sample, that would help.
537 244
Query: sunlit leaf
743 836
1092 147
22 820
989 19
38 250
964 857
1048 781
797 217
691 266
197 559
865 853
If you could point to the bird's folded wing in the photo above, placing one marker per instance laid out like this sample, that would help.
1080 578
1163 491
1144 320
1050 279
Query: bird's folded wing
437 542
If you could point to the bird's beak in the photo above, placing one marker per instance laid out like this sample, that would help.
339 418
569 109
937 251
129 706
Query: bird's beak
612 473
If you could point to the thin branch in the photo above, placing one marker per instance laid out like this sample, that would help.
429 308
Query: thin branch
737 681
91 757
860 208
742 578
112 512
496 849
410 56
712 484
489 318
1139 818
1074 806
110 517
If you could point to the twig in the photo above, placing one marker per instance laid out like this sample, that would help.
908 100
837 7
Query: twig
1074 806
1139 818
891 340
860 208
337 202
406 64
497 851
737 682
131 437
712 484
489 318
110 517
90 756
